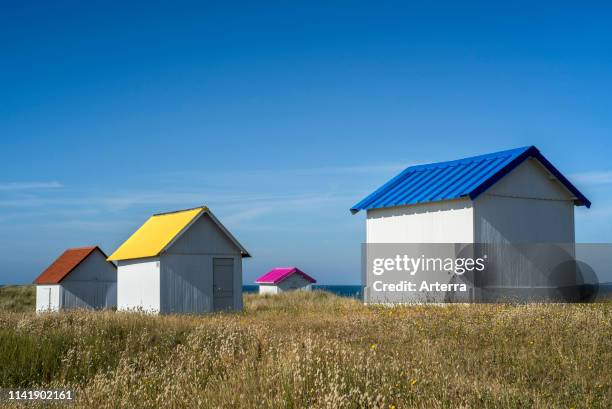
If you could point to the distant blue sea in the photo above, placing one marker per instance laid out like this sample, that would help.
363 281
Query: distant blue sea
353 291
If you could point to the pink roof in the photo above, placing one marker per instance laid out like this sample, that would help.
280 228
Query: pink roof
278 274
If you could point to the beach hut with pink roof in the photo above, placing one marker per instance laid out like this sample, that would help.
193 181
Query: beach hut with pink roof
281 279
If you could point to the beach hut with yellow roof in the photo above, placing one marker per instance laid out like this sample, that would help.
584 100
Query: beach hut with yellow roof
180 262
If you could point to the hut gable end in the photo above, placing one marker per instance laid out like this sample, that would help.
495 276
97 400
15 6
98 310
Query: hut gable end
93 268
531 180
294 281
203 236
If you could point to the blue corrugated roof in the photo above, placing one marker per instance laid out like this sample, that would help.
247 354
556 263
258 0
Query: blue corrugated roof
455 179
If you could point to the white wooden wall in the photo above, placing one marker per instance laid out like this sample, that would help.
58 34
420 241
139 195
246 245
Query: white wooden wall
440 222
138 285
268 289
48 297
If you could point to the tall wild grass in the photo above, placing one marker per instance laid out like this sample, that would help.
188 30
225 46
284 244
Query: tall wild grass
316 350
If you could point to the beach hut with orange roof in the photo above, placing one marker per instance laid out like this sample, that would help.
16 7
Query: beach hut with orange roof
79 278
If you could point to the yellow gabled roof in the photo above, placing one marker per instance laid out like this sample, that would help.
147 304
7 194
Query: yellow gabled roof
155 234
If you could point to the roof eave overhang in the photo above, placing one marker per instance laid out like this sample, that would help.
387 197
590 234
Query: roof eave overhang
463 197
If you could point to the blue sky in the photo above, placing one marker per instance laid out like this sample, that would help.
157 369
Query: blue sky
280 116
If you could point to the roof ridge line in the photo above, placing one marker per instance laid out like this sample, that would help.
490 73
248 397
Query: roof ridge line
81 248
468 159
203 207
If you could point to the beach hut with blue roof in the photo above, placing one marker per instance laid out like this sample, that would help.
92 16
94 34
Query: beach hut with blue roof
512 196
512 209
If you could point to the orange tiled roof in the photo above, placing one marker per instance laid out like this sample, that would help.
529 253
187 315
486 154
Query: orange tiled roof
64 264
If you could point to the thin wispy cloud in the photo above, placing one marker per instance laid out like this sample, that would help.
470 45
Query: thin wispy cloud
117 201
86 225
287 172
30 186
124 200
593 178
348 170
239 203
246 215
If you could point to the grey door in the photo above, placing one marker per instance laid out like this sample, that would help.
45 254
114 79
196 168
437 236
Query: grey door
223 284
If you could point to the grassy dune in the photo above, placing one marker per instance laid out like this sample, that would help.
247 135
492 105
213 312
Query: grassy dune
17 298
316 350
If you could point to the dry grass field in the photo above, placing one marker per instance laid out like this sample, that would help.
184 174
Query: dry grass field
317 350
